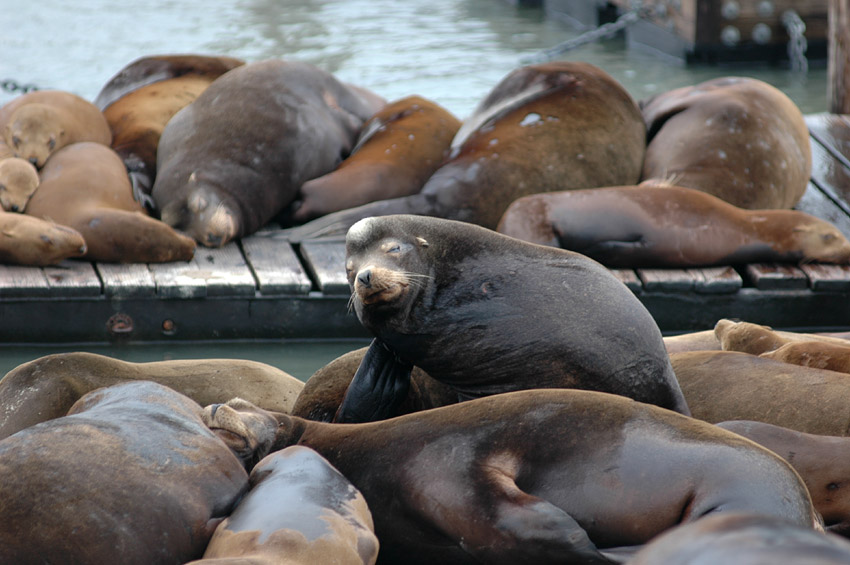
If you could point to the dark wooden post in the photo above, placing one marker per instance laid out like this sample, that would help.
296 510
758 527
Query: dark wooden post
839 57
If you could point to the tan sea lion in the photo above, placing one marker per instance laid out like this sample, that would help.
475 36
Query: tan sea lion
130 475
818 354
737 138
555 126
25 240
18 181
85 186
756 339
47 387
300 510
484 481
232 159
670 227
39 123
704 340
398 149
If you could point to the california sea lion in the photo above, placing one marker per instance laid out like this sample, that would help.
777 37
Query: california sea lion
651 226
823 462
47 387
233 158
39 123
18 181
818 354
131 474
25 240
398 149
737 138
485 313
756 339
85 186
300 510
485 481
729 385
555 126
704 340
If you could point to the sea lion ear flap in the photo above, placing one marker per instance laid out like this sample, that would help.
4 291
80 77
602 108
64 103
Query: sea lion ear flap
422 242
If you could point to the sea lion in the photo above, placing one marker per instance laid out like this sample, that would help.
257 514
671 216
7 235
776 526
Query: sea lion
47 387
676 227
131 475
484 481
756 339
85 186
704 340
140 99
232 159
729 385
485 313
818 354
300 510
396 152
737 138
743 539
25 240
18 181
39 123
822 461
555 126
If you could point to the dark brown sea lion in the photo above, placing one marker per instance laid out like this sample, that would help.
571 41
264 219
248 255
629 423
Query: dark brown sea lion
651 226
756 339
25 240
232 159
729 385
39 123
554 126
130 475
822 461
85 186
743 539
300 510
737 138
818 354
398 149
484 481
18 181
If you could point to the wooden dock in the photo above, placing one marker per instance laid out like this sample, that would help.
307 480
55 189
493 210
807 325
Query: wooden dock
263 287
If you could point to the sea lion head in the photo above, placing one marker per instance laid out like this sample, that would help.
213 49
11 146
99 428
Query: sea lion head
249 431
18 181
27 240
202 213
821 241
33 132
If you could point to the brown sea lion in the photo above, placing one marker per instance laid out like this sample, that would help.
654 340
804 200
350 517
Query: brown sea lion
39 123
483 481
756 339
743 539
85 186
47 387
822 461
555 126
729 385
818 354
140 99
130 475
704 340
232 159
677 227
485 313
18 181
737 138
300 510
25 240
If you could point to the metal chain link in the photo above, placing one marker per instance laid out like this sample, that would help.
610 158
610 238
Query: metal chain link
797 43
10 85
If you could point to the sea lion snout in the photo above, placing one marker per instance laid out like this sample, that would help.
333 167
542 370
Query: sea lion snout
364 277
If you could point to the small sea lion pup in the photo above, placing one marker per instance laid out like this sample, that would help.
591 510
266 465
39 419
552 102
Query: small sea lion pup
25 240
130 475
554 126
39 123
756 339
299 511
485 313
535 476
737 138
18 181
651 226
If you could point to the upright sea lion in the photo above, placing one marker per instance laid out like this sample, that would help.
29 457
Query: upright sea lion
484 481
25 240
737 138
555 126
85 186
822 461
651 226
232 159
18 181
48 386
756 339
300 510
130 475
39 123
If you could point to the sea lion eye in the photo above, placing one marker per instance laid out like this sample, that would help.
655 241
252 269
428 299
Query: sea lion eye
16 141
828 237
51 143
833 486
394 249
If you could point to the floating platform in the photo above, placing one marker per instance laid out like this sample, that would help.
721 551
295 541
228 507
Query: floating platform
264 287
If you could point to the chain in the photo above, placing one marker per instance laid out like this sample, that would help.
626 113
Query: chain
10 85
796 41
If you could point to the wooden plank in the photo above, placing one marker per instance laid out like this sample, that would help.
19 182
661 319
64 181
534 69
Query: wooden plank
178 280
275 265
123 280
225 271
717 280
776 276
817 203
838 65
326 262
17 281
666 280
73 278
828 278
628 278
830 169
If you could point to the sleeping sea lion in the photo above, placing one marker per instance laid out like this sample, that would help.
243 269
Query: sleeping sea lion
756 339
18 181
25 240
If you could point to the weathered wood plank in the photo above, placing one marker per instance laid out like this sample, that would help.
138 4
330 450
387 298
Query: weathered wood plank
178 280
17 281
225 271
275 265
717 280
838 65
120 280
775 276
628 278
326 261
667 280
73 278
817 203
828 278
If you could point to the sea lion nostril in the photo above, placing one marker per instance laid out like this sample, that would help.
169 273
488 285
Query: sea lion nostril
365 277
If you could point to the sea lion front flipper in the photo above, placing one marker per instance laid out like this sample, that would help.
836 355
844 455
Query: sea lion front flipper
378 388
